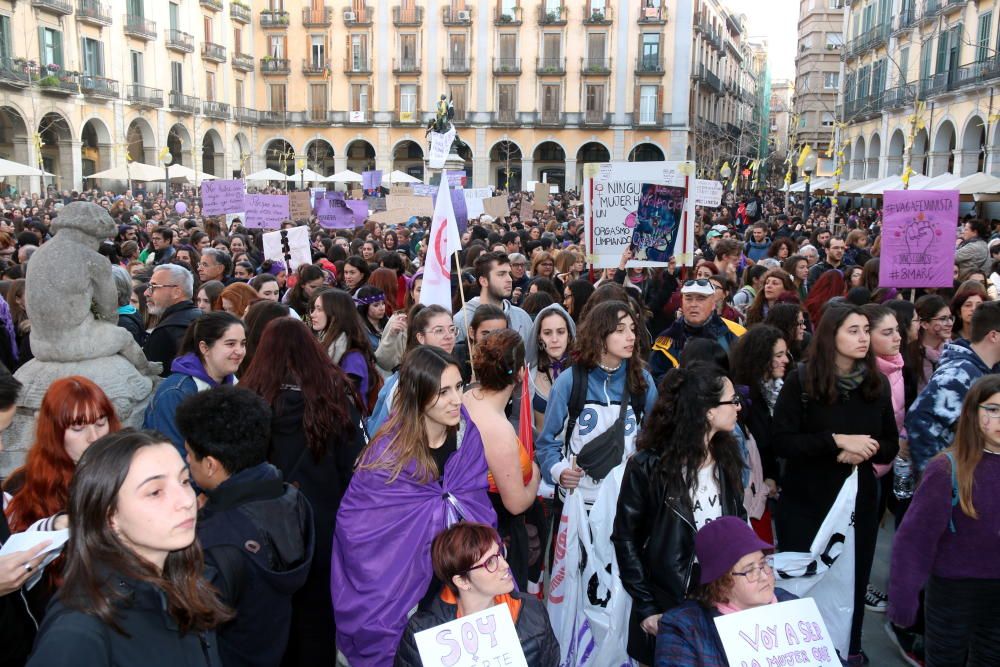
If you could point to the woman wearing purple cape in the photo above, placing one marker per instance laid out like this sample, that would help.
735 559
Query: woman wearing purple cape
424 470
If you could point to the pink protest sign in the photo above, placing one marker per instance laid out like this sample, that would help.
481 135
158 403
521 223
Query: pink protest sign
222 196
918 238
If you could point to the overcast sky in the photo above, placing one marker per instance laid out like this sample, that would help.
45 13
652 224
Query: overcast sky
776 20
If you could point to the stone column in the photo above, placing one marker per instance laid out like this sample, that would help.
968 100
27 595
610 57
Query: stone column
74 178
571 175
966 162
938 163
527 171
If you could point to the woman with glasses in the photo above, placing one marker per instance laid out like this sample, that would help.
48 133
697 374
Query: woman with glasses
790 319
424 470
942 544
835 414
736 574
686 473
471 561
936 322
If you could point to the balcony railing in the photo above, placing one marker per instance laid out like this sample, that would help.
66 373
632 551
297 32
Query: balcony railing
179 41
506 116
359 16
269 65
144 96
243 62
898 97
406 66
15 74
357 66
875 37
455 16
314 66
318 116
991 68
99 86
550 118
506 66
595 66
599 16
931 8
510 16
409 117
317 18
947 6
213 52
215 110
59 7
934 85
713 81
591 117
59 83
273 19
905 20
183 103
211 4
550 66
646 64
240 13
407 16
456 65
653 15
140 27
245 115
93 12
271 117
552 15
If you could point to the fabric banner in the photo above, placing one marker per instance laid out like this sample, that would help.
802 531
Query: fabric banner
458 204
360 210
221 196
445 240
918 238
440 145
266 211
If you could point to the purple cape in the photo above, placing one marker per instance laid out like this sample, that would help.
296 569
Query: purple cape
381 565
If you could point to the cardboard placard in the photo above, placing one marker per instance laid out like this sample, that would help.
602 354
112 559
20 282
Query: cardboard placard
403 190
498 207
707 193
398 216
786 633
299 205
266 211
527 212
918 238
415 205
222 196
477 640
541 202
333 213
474 201
371 180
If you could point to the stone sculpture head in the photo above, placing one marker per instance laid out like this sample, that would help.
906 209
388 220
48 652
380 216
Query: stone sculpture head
89 220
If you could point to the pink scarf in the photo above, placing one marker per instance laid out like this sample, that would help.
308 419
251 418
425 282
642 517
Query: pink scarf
892 369
725 608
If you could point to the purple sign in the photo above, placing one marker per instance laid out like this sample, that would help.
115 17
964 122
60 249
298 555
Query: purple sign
360 209
461 210
456 179
371 180
266 211
334 214
918 238
222 196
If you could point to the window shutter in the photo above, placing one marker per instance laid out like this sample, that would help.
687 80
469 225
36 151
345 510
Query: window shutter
417 106
83 57
398 105
58 48
635 105
100 59
659 102
41 47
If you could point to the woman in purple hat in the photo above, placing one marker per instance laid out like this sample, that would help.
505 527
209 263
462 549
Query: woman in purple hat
737 574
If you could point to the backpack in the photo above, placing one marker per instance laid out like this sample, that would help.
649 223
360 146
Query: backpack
578 398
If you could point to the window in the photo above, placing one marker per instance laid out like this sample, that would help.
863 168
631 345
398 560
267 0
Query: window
834 40
317 52
173 13
831 80
551 47
134 7
508 7
237 40
594 102
317 101
835 4
210 86
51 46
207 27
176 77
359 97
276 47
93 56
551 97
983 37
904 65
803 83
457 93
6 45
276 95
596 46
647 105
827 119
925 59
359 53
507 101
408 51
238 94
508 46
135 59
408 102
456 49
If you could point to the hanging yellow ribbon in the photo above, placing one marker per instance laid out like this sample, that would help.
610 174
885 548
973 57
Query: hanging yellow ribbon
803 155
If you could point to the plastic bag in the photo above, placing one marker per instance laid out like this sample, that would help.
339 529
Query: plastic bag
565 584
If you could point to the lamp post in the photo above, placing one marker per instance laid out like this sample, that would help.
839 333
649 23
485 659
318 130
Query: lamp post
809 167
300 164
166 160
725 172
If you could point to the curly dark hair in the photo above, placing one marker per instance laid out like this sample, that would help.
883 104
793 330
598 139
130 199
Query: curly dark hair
602 320
230 424
498 359
750 358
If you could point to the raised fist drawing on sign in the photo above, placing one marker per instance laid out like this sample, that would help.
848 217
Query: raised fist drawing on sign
919 235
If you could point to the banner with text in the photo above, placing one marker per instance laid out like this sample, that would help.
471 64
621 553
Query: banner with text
266 211
222 196
918 238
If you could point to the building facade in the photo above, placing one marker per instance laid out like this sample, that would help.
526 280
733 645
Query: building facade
817 76
230 86
938 57
780 116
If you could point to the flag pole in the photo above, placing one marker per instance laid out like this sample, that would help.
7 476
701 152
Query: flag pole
461 292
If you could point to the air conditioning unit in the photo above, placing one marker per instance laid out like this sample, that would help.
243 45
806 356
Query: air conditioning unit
465 16
350 17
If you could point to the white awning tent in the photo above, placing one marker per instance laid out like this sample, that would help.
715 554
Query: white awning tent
851 187
180 172
399 177
266 175
136 171
940 182
10 168
820 183
346 176
879 187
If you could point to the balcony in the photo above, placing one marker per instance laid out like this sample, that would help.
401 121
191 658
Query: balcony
358 17
179 41
215 110
59 83
214 5
949 6
456 65
453 16
550 66
245 115
595 118
273 19
359 117
317 18
273 117
991 68
649 65
552 15
874 38
357 66
899 97
315 66
711 79
549 117
599 16
93 12
215 53
57 7
99 87
14 73
407 17
905 20
183 103
595 66
934 85
140 27
506 66
510 17
405 66
408 117
653 16
144 96
240 12
506 117
243 62
931 8
269 65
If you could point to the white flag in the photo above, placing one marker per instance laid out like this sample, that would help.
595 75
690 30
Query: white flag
444 241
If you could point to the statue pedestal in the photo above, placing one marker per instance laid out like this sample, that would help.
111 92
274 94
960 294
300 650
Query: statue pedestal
453 162
128 390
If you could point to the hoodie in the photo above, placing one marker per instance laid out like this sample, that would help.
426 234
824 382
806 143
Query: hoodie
931 421
258 537
520 321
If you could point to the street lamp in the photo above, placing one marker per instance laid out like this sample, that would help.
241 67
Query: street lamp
809 166
725 172
166 160
300 164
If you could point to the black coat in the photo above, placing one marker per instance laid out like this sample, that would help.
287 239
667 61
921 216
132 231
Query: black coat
71 638
654 542
17 625
132 323
534 631
323 483
757 419
802 434
165 339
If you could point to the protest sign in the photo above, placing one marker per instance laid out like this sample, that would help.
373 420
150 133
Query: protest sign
371 180
421 190
612 193
787 633
553 188
290 246
527 212
360 210
440 146
333 213
459 207
221 196
415 205
299 205
541 202
456 179
376 203
485 639
266 211
918 238
707 193
401 190
398 216
474 200
657 221
498 207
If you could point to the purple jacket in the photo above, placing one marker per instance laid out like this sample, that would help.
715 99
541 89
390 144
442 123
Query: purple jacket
381 564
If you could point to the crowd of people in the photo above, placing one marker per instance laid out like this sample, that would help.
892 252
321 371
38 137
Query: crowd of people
329 466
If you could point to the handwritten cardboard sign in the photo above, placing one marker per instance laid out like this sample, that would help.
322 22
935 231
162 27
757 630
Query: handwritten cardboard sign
541 202
401 190
421 190
527 212
707 193
222 196
415 205
787 633
299 205
486 639
398 216
918 238
474 201
266 211
498 207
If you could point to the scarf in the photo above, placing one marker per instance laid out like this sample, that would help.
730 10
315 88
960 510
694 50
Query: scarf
338 348
851 381
127 309
770 389
558 366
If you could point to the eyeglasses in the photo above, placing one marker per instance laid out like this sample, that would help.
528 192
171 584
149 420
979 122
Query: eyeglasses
700 282
152 287
735 400
441 331
518 264
944 319
800 323
992 411
492 563
756 572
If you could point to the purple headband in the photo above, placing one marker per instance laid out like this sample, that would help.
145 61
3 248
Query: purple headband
368 300
412 279
278 266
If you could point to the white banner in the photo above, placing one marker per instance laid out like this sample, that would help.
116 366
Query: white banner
787 633
474 201
440 145
707 193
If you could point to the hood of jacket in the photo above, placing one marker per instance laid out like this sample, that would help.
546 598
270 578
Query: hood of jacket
960 353
531 344
190 364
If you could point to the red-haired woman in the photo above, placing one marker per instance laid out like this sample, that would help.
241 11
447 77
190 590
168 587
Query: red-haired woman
827 287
